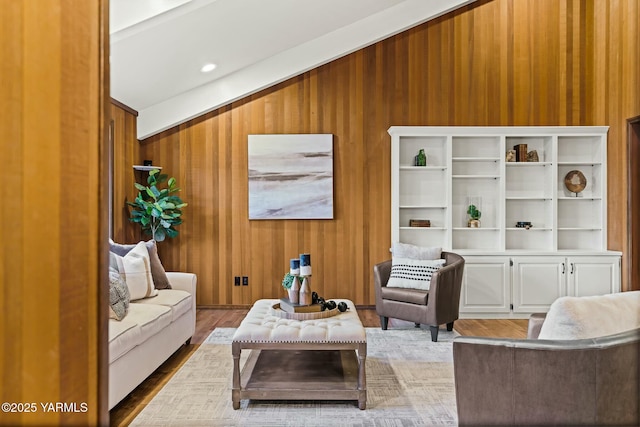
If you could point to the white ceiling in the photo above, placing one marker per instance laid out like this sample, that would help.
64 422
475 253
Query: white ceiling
159 46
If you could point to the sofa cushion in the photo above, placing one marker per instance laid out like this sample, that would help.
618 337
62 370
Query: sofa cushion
160 279
413 273
571 318
123 336
135 269
407 250
178 301
142 322
118 295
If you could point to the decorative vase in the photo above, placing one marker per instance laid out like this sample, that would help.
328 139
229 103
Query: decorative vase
294 291
421 158
305 292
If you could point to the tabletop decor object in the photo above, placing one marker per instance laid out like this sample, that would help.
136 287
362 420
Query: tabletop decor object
421 158
575 181
474 206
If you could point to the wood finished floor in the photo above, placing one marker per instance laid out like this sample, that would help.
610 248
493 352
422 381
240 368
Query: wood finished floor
209 319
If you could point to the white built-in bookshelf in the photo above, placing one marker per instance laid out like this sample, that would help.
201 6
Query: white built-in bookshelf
469 164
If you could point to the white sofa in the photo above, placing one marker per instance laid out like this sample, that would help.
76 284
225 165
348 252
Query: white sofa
152 331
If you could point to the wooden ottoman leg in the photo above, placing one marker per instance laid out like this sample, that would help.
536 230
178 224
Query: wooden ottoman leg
362 376
235 391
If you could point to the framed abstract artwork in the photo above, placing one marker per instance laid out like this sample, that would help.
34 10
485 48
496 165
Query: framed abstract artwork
291 176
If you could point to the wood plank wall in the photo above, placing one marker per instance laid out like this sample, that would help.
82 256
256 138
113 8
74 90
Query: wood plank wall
54 76
126 153
494 63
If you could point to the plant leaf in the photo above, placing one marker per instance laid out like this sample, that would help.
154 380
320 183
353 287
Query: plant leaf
150 193
171 232
160 234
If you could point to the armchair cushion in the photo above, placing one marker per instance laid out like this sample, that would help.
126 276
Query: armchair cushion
413 273
412 296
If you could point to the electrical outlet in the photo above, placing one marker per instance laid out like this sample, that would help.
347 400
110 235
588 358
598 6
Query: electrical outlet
236 281
245 280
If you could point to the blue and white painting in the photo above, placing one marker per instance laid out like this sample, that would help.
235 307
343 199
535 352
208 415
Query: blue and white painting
291 176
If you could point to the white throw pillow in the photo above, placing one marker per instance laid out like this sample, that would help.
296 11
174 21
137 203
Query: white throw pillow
135 269
413 273
406 250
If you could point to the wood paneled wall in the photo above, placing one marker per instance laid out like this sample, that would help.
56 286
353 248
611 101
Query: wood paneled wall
126 153
494 63
53 328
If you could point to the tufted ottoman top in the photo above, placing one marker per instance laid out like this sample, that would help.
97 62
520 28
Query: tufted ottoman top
260 326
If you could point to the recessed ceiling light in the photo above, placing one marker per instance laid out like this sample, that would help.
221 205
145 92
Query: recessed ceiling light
208 67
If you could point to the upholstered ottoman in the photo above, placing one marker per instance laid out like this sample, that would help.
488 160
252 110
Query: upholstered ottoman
318 359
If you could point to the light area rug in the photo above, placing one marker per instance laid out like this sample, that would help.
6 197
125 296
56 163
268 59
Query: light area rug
409 383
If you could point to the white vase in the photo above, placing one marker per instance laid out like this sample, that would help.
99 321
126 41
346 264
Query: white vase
294 291
305 292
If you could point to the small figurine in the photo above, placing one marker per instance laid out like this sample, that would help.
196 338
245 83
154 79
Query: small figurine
511 156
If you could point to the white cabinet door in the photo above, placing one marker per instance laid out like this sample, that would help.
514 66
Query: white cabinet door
486 285
537 282
591 275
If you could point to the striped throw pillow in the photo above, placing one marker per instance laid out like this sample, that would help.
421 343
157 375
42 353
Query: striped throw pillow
413 273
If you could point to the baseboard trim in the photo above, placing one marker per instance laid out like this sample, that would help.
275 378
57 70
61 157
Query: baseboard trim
247 306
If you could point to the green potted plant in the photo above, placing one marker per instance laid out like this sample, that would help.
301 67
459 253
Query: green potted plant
291 284
158 210
474 215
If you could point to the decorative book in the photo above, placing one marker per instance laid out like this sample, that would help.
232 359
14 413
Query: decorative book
289 307
521 152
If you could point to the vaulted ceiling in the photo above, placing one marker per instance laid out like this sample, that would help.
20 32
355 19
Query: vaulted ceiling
158 47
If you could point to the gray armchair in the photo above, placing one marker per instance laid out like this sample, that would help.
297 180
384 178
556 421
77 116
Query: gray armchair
548 382
437 306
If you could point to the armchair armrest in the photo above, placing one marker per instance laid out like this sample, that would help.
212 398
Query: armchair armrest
444 292
381 273
535 324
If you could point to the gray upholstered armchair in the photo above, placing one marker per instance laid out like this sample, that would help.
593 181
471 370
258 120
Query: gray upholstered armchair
591 382
437 306
579 365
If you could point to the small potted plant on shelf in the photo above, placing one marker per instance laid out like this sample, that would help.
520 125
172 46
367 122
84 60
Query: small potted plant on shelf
474 215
